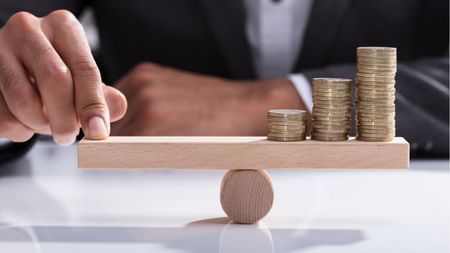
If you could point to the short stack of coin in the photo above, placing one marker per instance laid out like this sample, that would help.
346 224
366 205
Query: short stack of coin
375 93
286 125
332 109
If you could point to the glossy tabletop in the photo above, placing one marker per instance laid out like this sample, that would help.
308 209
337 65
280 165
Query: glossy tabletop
48 205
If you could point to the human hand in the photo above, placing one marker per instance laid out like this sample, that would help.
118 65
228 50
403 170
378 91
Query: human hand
50 83
165 101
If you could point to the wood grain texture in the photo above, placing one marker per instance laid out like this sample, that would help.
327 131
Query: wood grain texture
240 153
246 195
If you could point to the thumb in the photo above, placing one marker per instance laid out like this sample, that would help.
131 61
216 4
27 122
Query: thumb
116 101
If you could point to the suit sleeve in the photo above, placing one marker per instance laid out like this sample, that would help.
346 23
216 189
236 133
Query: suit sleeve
422 102
38 7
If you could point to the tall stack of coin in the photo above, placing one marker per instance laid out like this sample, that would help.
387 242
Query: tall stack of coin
375 93
332 109
286 125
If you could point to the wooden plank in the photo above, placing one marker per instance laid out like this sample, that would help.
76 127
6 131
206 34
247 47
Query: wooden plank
240 153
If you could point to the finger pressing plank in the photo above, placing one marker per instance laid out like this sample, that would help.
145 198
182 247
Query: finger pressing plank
67 37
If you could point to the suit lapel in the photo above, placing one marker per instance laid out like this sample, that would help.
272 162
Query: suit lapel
323 24
227 24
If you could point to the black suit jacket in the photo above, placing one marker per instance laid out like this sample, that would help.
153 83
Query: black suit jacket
208 36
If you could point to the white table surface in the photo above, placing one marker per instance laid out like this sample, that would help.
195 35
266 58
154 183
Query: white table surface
48 205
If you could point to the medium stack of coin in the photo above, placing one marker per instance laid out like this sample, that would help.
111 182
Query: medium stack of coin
286 125
375 93
332 109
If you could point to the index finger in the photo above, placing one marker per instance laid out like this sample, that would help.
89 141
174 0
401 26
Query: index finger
68 38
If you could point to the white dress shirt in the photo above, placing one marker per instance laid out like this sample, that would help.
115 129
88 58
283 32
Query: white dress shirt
275 31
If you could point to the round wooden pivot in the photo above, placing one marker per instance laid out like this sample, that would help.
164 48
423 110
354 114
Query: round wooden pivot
246 195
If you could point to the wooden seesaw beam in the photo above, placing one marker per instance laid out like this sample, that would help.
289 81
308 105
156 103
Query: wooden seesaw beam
240 153
246 193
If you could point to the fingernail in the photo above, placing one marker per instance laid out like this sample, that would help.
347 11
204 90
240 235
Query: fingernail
97 128
65 141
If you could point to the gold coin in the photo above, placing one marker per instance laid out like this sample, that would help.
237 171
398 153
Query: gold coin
331 80
286 119
329 139
314 133
331 102
377 131
334 127
328 118
373 49
379 139
374 120
381 135
369 73
379 89
332 91
329 98
287 130
376 126
368 115
332 86
380 102
365 112
379 79
378 107
330 131
363 63
374 86
379 98
377 57
343 123
335 96
291 136
328 112
385 139
374 62
332 94
286 124
286 139
382 93
376 134
342 116
366 68
377 67
286 113
340 113
342 108
378 95
346 89
278 135
382 58
364 105
360 75
375 54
